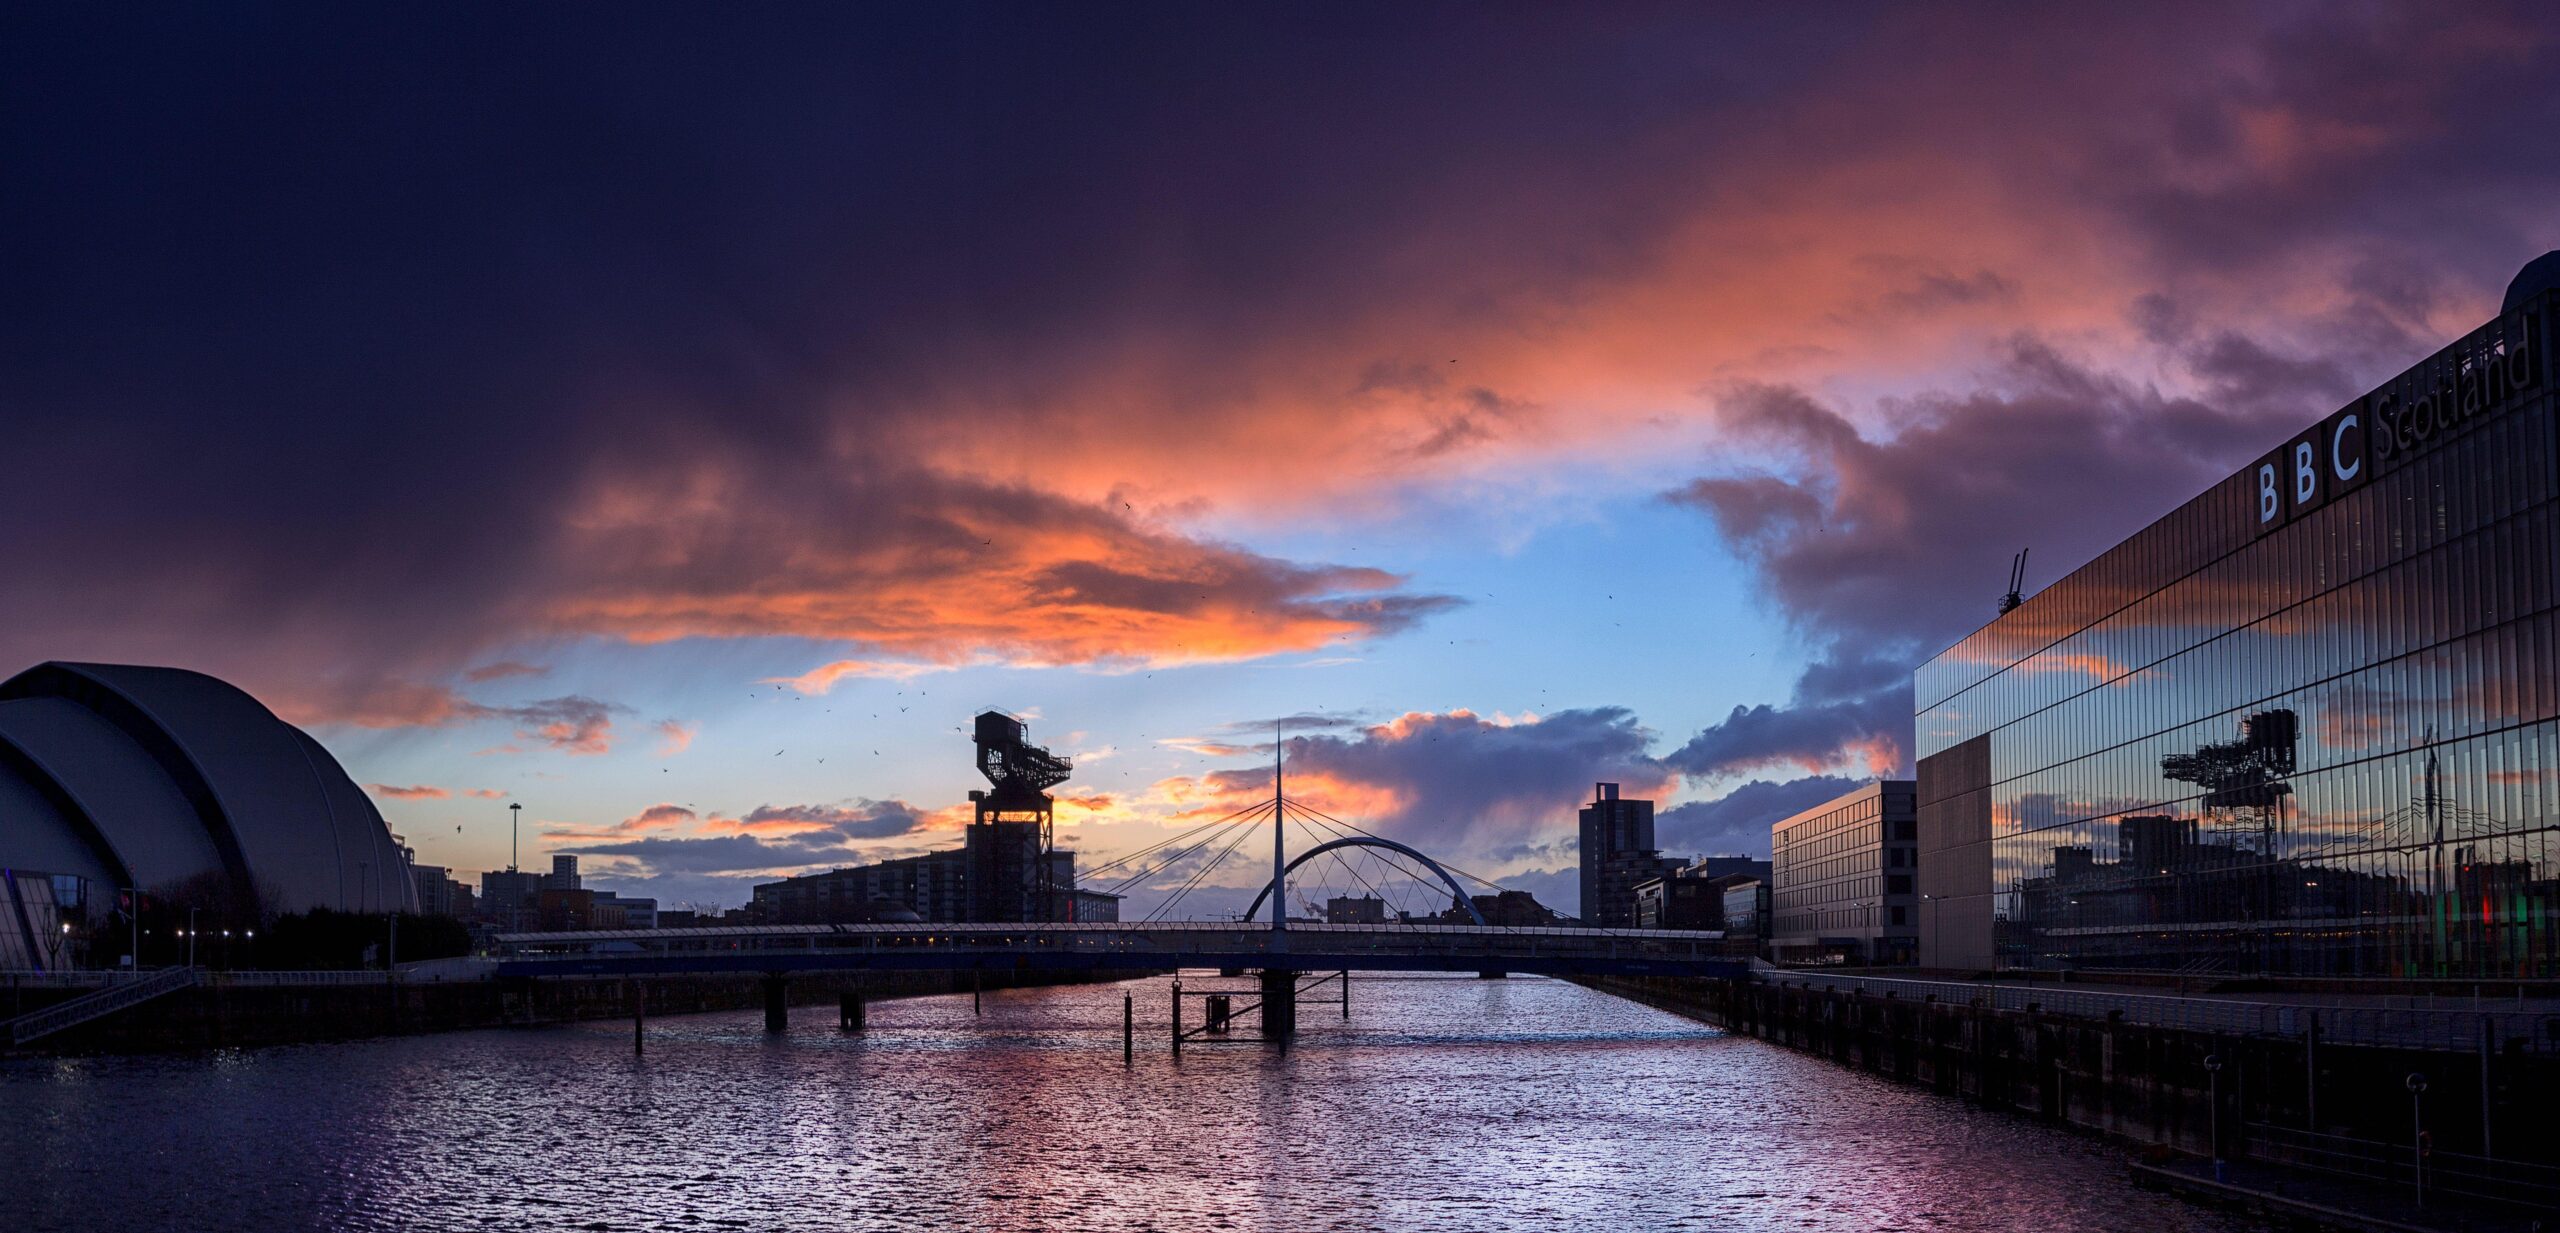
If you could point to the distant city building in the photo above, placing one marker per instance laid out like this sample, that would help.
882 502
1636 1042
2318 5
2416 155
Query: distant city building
2304 724
567 909
1095 907
1511 909
1692 897
1617 852
564 873
1355 910
628 911
438 893
930 887
510 899
1842 879
679 918
1746 917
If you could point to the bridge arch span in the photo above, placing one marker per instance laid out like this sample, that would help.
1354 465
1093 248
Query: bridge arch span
1367 841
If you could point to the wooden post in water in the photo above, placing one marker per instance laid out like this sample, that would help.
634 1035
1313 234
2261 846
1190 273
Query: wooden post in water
1128 1029
1346 995
639 1016
977 990
1177 1020
777 1007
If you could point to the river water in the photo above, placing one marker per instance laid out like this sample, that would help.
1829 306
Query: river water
1445 1103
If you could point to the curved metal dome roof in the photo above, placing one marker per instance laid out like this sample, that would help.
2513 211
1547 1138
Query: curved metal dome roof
151 777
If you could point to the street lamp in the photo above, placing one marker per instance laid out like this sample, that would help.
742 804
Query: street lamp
2213 1112
2417 1084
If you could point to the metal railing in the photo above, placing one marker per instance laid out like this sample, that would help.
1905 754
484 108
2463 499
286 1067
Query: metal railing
104 1002
2513 1182
1122 944
2538 1030
265 979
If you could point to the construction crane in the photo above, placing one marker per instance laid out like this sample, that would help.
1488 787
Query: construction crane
2017 582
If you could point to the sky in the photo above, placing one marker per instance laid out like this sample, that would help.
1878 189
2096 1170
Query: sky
681 420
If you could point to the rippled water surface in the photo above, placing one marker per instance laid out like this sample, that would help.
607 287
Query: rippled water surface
1445 1103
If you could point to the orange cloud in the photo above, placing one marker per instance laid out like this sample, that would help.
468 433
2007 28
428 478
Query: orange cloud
674 738
421 792
822 678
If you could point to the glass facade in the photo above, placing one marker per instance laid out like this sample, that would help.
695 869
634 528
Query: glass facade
2304 724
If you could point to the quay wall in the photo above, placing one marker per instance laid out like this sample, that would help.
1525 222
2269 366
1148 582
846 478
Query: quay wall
2271 1097
222 1015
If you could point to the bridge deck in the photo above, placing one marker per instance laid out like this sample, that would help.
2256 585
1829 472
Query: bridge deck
1133 947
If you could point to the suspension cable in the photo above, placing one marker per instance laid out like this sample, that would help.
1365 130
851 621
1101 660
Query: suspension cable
1242 833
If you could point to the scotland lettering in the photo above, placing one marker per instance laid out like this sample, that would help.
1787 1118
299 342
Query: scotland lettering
2470 381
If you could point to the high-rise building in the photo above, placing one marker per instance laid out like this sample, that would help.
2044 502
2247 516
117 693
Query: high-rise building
564 873
2308 722
1841 879
1617 852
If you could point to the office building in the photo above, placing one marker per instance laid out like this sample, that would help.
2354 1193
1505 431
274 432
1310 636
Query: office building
510 899
438 893
2307 723
1746 916
1841 879
1617 852
1692 897
625 911
558 909
564 873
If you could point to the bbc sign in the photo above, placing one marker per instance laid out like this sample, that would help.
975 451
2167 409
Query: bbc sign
2461 385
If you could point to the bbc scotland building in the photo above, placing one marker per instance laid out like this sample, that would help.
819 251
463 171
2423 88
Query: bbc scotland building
2308 723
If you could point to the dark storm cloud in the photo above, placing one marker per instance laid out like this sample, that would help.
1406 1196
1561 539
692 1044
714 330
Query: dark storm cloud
860 820
1738 822
1456 781
1882 551
768 837
659 856
834 321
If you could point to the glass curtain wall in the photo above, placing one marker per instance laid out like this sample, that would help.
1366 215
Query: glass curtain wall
2323 748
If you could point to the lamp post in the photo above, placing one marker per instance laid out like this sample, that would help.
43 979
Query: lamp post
2417 1084
2213 1112
515 819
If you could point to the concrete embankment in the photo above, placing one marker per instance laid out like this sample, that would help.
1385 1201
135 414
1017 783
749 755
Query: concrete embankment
249 1011
2309 1107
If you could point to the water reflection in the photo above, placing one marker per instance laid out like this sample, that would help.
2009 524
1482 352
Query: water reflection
1444 1103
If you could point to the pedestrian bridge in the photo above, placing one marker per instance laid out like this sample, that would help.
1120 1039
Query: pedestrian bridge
1150 946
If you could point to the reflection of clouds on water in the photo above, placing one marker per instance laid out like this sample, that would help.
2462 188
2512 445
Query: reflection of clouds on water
1445 1101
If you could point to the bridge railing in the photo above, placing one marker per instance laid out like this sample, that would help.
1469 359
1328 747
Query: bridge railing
1172 940
2538 1028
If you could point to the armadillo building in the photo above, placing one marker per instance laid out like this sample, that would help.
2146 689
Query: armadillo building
2307 723
172 782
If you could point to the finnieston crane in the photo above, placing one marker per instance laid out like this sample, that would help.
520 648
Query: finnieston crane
1013 839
